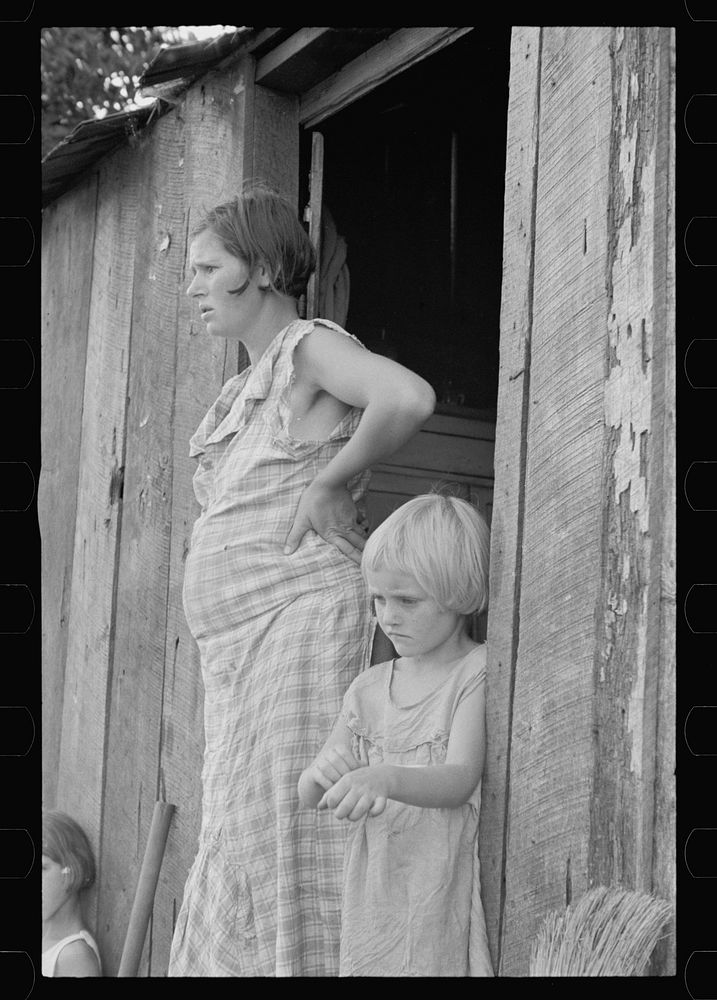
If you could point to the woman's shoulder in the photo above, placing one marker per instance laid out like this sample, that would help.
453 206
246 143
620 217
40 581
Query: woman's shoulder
303 327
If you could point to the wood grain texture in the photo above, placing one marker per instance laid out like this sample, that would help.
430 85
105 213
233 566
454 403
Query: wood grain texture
91 635
316 200
509 464
273 144
449 454
621 813
404 48
292 49
135 717
664 874
446 454
551 738
67 243
634 667
589 791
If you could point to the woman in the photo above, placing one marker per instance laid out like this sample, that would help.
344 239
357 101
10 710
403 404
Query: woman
273 593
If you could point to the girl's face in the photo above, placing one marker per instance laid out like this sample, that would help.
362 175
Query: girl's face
215 274
415 624
54 887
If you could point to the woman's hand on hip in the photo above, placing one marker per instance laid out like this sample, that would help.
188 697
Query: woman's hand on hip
331 513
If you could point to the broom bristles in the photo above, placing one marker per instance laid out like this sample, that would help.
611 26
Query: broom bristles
608 932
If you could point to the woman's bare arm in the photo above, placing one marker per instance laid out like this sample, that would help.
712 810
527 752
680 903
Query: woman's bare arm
396 403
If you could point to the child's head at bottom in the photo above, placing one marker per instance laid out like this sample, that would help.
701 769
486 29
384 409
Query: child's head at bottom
441 542
66 848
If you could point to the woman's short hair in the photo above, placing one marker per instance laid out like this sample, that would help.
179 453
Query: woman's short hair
260 226
441 541
65 842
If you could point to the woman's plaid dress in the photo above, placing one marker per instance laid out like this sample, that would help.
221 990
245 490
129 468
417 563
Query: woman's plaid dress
281 638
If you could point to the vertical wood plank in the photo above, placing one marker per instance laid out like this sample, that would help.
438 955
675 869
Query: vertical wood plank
634 747
662 623
138 679
272 144
626 679
67 241
90 644
589 795
212 162
274 147
316 195
507 514
551 737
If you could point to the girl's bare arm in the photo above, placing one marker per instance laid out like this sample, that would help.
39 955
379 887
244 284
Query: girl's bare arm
436 786
333 761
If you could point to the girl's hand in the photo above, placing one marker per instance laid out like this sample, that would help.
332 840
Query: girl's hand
331 765
331 513
358 794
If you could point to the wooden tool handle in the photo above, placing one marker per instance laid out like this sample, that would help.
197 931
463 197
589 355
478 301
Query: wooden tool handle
146 886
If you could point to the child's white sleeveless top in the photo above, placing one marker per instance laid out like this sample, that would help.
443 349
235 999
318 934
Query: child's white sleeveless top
49 957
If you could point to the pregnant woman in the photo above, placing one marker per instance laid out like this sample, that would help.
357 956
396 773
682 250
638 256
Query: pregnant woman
273 592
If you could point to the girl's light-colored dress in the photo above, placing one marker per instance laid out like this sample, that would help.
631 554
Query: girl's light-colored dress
280 638
411 898
50 957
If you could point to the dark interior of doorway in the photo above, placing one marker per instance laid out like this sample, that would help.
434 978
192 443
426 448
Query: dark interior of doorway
414 177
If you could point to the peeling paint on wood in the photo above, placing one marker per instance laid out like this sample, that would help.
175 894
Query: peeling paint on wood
627 674
581 752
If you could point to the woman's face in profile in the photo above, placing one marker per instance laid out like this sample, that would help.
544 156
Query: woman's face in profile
218 278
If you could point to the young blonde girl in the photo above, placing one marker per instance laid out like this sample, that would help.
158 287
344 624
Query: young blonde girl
68 869
404 760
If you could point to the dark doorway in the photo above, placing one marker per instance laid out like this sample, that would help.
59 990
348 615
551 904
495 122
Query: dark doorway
413 176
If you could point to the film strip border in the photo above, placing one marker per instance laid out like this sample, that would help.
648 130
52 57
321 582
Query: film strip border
696 125
20 643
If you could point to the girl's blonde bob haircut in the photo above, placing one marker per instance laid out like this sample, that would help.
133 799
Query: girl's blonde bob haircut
66 843
443 543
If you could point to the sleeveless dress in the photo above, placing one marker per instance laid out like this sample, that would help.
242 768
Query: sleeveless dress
49 957
411 897
280 639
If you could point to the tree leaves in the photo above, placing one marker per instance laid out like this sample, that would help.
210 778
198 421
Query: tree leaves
91 72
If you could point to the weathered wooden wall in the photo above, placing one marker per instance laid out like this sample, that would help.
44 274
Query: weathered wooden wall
67 248
579 784
128 375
